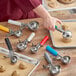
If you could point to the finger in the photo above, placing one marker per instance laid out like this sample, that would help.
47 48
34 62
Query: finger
51 28
59 21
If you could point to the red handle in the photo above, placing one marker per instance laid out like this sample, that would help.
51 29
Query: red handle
44 40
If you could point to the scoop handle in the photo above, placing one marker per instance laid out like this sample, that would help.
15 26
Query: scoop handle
51 50
47 57
44 40
14 22
5 29
8 44
56 27
31 36
59 29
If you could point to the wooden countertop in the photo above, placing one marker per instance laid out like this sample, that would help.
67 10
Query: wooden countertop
67 70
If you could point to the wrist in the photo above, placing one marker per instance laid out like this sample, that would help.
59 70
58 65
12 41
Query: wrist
42 12
47 17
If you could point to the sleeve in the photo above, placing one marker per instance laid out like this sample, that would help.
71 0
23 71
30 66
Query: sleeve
27 5
35 3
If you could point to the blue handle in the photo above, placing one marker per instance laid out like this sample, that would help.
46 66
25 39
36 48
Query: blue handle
51 50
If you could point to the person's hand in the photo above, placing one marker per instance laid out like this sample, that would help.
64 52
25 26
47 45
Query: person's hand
50 22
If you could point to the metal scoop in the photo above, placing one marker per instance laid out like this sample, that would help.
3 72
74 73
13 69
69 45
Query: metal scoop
10 32
17 33
54 69
23 45
35 48
65 34
13 58
64 59
32 25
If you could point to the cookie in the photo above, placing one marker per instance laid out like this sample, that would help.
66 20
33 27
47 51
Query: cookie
52 4
22 66
15 73
65 27
66 40
66 1
2 68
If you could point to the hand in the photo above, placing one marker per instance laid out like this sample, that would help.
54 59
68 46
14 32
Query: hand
50 22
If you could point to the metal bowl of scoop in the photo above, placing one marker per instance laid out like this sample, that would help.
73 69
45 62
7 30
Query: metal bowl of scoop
33 50
33 25
55 70
14 59
18 33
67 34
65 59
21 46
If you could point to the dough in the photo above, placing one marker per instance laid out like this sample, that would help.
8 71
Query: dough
15 73
52 4
66 1
22 66
2 68
66 40
65 27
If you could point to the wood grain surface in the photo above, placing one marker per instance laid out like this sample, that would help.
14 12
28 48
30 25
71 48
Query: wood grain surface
67 70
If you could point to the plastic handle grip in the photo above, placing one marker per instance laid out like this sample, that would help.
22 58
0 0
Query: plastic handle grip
14 22
5 29
31 37
8 44
51 50
47 57
44 40
56 27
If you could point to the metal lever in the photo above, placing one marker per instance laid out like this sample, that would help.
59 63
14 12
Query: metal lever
23 45
54 69
17 33
64 59
35 48
13 58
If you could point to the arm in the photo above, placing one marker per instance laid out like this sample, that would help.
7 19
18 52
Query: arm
27 5
49 21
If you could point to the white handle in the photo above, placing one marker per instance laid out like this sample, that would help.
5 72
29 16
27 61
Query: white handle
31 37
14 22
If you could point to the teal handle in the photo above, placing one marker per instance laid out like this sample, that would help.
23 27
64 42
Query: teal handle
51 50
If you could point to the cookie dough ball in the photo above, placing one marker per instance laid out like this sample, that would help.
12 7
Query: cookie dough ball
15 73
66 1
52 4
2 68
66 40
22 66
65 27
